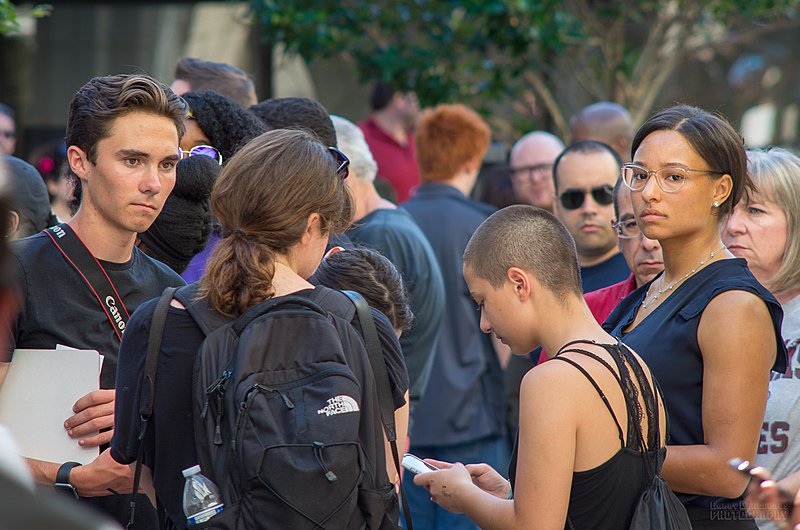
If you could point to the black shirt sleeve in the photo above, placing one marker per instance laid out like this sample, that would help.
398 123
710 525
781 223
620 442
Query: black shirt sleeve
393 356
130 373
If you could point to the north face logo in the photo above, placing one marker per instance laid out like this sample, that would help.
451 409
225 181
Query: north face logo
339 405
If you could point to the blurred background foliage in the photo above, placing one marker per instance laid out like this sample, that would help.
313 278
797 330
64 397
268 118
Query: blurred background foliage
529 51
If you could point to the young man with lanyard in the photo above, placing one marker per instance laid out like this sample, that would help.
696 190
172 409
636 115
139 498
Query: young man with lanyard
80 281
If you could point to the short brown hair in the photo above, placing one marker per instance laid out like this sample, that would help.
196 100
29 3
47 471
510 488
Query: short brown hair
446 138
713 138
263 199
104 99
529 238
218 77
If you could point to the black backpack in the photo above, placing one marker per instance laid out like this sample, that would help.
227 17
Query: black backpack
287 415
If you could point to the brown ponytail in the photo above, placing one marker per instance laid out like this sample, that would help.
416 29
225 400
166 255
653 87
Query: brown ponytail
263 199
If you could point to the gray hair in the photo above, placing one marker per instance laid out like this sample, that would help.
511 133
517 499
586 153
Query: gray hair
776 174
353 144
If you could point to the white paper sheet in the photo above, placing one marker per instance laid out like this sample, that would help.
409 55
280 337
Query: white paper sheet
37 397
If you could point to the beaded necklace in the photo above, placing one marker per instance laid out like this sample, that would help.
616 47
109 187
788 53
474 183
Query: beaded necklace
645 303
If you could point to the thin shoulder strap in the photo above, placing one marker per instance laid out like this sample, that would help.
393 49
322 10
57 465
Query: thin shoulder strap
147 398
385 403
596 358
599 391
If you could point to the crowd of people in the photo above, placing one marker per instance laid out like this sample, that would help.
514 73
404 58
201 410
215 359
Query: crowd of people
292 301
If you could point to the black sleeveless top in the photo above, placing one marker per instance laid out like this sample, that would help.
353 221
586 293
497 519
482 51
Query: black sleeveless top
605 497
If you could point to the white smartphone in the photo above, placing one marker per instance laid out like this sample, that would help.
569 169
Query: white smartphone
416 465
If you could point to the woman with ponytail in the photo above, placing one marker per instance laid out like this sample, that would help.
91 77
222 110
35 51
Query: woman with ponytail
277 201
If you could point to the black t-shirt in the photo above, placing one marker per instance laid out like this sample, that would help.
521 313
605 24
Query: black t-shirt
611 271
169 445
393 233
58 307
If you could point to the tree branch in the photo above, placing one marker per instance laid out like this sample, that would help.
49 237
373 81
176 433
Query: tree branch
546 95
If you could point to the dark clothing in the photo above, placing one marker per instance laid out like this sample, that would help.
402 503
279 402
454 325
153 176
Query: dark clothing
667 341
606 496
396 162
169 445
428 515
197 266
68 313
613 270
393 233
465 400
58 308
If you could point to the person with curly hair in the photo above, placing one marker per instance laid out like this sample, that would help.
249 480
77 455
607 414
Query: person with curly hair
222 123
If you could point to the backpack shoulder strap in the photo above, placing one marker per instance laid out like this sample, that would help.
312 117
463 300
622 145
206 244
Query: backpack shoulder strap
370 334
147 398
201 312
336 302
386 404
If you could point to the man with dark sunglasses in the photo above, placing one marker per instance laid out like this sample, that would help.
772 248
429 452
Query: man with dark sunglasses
584 175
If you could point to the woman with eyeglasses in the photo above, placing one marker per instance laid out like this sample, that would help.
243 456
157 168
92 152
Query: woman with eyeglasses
217 127
705 326
277 201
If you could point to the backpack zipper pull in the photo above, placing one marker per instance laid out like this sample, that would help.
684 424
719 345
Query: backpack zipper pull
212 388
329 475
240 415
218 388
284 397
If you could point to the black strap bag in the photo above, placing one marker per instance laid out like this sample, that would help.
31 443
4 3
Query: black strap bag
289 408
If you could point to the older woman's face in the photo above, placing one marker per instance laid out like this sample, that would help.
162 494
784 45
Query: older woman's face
757 231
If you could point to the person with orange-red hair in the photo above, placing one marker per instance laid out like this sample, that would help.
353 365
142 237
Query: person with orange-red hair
460 418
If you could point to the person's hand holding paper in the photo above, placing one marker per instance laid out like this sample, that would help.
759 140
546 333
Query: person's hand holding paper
93 412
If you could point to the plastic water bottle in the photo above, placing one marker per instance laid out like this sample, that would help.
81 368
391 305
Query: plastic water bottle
201 498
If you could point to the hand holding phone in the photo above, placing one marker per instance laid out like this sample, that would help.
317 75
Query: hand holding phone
782 501
416 465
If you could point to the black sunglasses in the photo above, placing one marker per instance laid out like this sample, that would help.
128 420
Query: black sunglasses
342 162
573 199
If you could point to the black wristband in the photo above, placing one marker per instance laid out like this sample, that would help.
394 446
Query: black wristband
62 483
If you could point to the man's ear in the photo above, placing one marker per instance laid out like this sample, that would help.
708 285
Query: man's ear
12 224
78 161
474 164
521 283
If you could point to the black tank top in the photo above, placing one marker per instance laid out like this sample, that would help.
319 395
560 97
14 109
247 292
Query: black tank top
605 497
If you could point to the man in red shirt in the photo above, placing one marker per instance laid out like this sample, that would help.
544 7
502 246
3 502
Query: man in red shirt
389 135
643 256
